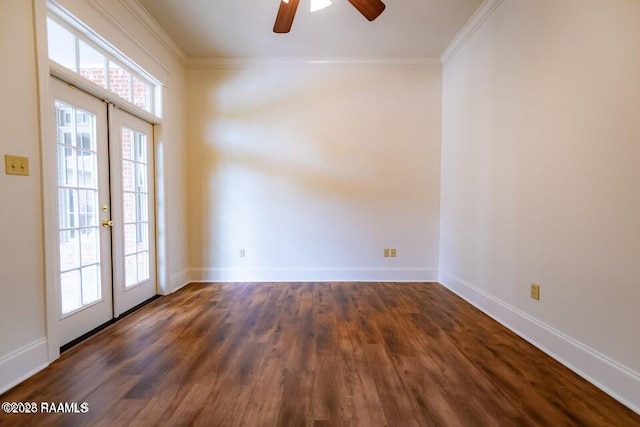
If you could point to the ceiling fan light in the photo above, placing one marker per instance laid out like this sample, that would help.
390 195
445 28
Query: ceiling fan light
318 4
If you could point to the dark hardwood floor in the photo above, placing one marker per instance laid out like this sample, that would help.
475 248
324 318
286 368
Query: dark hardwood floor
344 354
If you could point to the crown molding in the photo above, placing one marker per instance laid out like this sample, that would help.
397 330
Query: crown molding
155 29
345 62
102 10
485 10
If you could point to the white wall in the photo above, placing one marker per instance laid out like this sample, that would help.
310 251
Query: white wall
23 345
540 180
314 171
21 232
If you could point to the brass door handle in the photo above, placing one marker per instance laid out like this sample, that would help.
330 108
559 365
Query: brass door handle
107 223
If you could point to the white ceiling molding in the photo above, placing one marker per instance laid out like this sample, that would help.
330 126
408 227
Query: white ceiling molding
124 30
221 63
475 22
147 21
155 29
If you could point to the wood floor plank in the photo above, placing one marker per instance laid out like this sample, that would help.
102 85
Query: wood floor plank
297 389
397 404
313 354
366 408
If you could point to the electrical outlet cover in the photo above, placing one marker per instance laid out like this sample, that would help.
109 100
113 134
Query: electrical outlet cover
535 292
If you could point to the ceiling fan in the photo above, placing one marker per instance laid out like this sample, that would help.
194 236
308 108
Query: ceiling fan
370 9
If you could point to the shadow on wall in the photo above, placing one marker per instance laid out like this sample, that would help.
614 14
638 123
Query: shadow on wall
300 164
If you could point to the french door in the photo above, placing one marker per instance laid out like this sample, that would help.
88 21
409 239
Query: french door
105 211
132 201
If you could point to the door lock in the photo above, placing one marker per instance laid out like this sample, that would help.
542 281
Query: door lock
107 223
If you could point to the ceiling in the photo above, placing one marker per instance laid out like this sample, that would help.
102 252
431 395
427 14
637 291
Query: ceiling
243 28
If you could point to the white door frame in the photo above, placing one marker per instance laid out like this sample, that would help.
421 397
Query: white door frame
48 166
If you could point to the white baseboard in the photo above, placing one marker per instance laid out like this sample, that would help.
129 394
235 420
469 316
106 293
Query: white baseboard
180 280
618 381
23 363
314 275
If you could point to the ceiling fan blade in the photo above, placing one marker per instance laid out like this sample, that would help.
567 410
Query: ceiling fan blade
286 13
371 9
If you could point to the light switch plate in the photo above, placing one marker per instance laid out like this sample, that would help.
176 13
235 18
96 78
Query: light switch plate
16 165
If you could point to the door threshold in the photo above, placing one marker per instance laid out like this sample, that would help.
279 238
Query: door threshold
92 332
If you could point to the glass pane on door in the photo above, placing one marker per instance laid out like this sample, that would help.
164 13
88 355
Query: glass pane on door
78 208
135 206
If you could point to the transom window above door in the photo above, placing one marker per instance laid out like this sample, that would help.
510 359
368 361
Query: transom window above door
73 51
